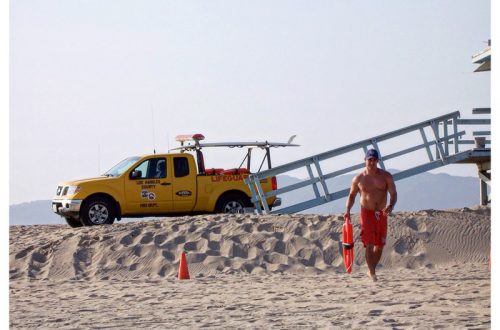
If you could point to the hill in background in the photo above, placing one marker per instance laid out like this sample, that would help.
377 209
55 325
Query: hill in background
33 213
423 191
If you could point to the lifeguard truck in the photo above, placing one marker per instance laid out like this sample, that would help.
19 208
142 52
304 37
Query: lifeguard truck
174 183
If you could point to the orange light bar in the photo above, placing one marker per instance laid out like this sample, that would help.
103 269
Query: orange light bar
189 137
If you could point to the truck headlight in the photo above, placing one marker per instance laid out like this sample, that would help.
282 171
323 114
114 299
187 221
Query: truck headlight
73 190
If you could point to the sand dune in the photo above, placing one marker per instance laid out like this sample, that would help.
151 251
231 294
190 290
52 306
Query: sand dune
241 243
288 256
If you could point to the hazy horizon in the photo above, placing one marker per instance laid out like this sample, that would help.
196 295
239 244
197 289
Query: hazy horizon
297 178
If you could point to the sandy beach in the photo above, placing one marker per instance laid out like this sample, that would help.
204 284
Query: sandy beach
250 271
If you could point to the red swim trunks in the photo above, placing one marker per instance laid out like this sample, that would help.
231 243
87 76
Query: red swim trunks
373 227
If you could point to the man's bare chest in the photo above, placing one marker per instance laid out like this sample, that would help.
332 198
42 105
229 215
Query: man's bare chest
372 183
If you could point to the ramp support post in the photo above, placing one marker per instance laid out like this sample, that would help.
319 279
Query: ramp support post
483 192
484 181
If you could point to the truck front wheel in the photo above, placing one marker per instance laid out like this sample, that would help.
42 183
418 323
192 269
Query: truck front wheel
230 203
97 211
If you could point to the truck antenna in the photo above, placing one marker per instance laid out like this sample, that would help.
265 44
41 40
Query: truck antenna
98 159
153 126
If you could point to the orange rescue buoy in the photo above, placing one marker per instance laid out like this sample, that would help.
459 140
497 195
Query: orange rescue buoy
348 244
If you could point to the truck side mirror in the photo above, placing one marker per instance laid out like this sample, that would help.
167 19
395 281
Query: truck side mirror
136 174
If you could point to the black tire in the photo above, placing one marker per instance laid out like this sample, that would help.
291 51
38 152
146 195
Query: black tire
74 223
231 203
97 211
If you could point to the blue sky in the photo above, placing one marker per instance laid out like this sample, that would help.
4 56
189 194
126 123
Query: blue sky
87 77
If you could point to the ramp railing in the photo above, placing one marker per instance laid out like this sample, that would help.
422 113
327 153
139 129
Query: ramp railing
440 138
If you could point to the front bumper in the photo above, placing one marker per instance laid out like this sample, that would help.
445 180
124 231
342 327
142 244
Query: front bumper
67 207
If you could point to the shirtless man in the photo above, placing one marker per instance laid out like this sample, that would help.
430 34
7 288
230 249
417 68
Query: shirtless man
373 184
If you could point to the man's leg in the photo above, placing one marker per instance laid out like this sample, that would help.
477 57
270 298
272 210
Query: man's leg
381 224
372 258
377 252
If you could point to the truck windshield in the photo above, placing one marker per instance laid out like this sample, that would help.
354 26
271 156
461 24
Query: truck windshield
122 166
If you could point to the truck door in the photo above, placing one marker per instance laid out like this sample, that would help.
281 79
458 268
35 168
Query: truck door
184 183
148 187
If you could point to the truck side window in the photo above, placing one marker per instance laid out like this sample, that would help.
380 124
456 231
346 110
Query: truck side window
152 168
161 168
181 167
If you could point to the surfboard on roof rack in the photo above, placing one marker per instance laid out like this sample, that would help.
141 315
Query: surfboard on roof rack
196 145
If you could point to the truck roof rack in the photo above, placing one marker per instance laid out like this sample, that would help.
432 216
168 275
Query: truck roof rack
258 144
197 146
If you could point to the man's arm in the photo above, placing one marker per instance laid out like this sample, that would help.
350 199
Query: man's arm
352 196
391 188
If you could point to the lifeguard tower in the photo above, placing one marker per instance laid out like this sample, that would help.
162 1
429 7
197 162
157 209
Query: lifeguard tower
447 139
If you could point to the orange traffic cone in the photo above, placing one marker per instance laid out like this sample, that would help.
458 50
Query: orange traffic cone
183 268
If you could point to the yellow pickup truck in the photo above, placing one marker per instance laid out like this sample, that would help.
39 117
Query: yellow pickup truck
161 184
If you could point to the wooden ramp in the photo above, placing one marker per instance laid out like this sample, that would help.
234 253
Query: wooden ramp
441 141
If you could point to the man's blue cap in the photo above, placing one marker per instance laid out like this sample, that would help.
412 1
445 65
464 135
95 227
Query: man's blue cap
372 154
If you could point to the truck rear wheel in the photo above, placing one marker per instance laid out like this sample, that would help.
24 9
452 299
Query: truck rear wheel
74 223
98 211
231 203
